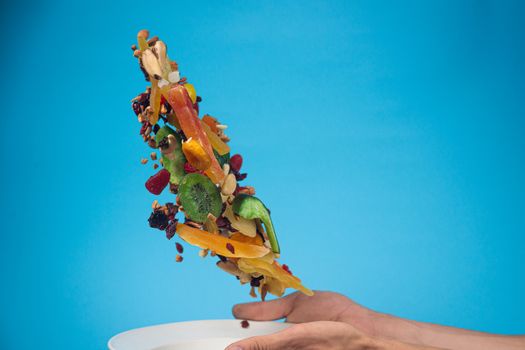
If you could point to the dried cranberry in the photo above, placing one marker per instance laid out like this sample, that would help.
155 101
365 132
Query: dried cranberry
170 230
179 247
256 281
188 168
158 182
136 108
144 127
240 177
236 162
230 247
158 219
287 269
245 324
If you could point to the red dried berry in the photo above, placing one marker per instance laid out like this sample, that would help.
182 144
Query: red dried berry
287 269
144 127
158 182
179 247
188 168
245 324
236 162
230 247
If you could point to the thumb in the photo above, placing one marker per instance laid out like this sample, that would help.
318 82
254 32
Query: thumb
276 341
266 310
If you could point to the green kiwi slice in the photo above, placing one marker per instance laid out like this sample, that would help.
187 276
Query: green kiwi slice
175 162
199 197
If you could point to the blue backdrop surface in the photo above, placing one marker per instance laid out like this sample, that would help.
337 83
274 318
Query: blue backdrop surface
387 139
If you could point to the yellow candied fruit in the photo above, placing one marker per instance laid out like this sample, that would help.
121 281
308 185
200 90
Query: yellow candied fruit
196 155
191 91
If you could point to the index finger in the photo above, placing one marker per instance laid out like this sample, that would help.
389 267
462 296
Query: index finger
265 310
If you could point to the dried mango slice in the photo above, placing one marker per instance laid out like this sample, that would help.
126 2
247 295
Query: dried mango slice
273 270
221 245
220 146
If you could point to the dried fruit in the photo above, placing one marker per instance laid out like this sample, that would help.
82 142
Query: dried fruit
181 103
172 158
217 243
179 247
158 182
199 197
195 154
236 162
158 219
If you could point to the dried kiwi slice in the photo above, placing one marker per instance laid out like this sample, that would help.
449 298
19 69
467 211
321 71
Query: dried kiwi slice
199 197
250 207
174 163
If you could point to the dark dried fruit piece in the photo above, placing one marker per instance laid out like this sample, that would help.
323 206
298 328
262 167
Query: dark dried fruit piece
245 324
159 220
158 182
179 247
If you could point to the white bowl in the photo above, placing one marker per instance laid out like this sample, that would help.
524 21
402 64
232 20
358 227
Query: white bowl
192 335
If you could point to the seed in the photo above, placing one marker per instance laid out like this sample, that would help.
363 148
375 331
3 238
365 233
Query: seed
153 156
155 166
213 253
245 324
179 247
203 253
143 161
222 126
230 247
178 258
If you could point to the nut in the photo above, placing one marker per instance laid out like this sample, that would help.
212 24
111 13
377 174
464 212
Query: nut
144 33
143 161
153 156
178 258
203 253
229 185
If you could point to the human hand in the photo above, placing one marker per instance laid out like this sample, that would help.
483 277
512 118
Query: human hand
299 308
324 321
317 335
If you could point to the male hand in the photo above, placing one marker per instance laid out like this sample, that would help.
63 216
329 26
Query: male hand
324 321
299 308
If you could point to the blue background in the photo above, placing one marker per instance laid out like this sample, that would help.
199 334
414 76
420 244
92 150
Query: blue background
387 138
